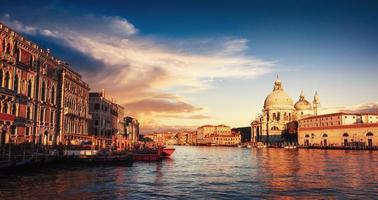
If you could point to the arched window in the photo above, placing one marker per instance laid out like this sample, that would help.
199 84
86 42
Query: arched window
29 88
52 95
325 135
289 116
43 94
345 135
274 116
307 136
14 109
274 128
369 134
15 84
7 79
278 116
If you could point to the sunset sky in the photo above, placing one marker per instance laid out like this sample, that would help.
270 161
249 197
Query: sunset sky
189 63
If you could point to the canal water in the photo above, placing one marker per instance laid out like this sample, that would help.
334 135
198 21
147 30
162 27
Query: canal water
210 173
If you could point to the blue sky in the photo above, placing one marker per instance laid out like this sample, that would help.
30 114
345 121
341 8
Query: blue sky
188 63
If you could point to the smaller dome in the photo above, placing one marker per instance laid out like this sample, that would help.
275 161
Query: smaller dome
302 103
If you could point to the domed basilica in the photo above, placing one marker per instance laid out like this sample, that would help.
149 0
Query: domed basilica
279 111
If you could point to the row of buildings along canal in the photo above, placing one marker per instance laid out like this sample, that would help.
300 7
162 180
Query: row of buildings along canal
44 101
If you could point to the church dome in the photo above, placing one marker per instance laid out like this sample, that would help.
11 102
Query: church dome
278 98
302 103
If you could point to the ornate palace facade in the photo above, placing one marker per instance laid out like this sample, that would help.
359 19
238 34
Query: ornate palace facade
34 104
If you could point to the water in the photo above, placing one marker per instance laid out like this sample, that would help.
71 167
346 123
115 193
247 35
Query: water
210 173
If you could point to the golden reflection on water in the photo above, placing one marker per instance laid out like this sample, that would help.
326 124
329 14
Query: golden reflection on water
316 171
210 173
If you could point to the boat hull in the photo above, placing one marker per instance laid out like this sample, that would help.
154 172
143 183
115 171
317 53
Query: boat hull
167 152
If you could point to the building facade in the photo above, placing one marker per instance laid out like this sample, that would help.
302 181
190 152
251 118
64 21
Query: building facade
74 107
339 129
28 95
105 119
279 109
217 135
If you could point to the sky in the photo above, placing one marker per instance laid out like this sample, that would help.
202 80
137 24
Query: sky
182 64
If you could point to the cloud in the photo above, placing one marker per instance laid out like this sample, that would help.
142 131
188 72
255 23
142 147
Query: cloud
121 25
368 107
145 74
18 25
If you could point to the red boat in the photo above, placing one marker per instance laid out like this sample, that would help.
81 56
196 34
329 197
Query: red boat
167 152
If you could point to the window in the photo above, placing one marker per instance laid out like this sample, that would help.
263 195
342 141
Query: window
96 122
27 131
41 115
52 95
29 88
5 108
274 128
7 79
14 109
31 60
28 113
43 95
7 50
52 117
97 106
15 85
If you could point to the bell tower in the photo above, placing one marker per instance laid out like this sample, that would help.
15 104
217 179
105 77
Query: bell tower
316 103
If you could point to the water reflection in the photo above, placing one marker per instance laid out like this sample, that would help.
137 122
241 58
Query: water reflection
216 172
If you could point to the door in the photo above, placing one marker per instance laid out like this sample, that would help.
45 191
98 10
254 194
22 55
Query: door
325 142
345 142
370 142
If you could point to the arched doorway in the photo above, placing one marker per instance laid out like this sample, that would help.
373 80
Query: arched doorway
369 139
345 139
325 136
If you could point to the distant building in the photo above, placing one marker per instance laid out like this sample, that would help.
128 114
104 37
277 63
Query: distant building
105 122
245 133
217 135
131 128
163 138
186 138
339 129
